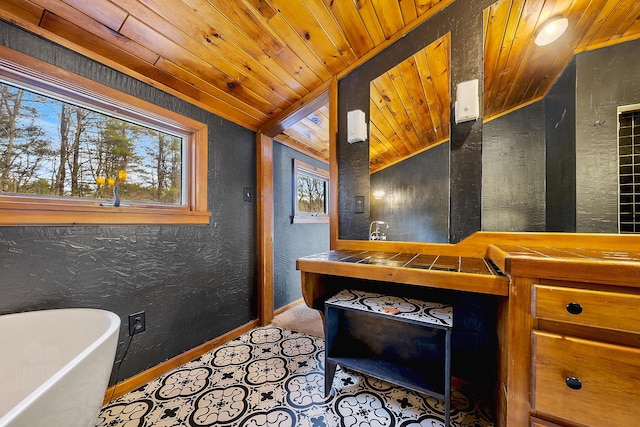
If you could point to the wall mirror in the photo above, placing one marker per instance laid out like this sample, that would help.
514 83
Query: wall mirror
550 150
409 114
551 115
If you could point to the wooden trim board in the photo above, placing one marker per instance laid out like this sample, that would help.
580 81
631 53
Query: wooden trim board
264 194
287 307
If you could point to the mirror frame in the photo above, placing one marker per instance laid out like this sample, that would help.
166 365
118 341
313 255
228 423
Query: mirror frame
475 245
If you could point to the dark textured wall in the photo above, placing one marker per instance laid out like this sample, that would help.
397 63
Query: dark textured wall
416 201
606 78
291 241
353 166
194 282
513 173
463 19
560 131
467 63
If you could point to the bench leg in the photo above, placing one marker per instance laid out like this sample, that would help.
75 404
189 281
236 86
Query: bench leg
329 373
447 378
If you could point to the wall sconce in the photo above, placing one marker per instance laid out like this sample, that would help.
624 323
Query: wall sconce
356 126
467 106
378 194
551 30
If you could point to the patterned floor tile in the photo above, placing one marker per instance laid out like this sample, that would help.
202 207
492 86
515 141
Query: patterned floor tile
272 376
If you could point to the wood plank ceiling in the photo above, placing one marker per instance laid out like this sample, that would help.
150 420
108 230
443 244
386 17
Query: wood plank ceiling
410 106
252 61
517 72
246 60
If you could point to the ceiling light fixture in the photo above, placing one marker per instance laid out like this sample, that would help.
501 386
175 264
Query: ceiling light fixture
551 30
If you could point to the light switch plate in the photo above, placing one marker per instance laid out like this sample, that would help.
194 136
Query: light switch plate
359 204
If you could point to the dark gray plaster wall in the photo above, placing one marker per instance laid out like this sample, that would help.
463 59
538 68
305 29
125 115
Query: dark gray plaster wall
291 241
194 282
416 200
513 171
467 63
606 79
560 131
463 19
353 161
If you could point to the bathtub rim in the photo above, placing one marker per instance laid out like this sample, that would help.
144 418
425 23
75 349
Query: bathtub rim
113 327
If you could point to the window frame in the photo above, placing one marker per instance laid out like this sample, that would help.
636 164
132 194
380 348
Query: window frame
634 223
300 167
18 210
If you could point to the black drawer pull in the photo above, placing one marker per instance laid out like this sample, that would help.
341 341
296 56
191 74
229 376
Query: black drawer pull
574 308
573 383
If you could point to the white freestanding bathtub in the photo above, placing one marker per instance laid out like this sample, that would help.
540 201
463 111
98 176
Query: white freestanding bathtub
55 366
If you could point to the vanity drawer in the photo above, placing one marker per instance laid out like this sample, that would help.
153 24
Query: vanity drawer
535 422
586 382
610 310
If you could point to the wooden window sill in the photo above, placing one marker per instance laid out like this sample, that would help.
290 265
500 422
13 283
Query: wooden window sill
16 213
319 219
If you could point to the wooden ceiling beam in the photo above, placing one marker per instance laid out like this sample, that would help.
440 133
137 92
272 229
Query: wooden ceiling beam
296 112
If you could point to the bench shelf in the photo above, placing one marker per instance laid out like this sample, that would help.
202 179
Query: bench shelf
400 340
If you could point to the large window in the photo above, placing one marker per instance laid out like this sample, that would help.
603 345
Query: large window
73 151
49 147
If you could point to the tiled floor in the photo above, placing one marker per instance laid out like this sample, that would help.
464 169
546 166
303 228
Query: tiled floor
274 377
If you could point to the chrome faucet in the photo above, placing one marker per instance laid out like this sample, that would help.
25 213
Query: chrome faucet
377 234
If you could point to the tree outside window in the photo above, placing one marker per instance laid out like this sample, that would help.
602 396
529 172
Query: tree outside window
53 148
311 193
68 143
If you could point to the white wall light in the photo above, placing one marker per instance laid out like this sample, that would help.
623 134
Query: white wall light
551 30
356 126
467 106
378 194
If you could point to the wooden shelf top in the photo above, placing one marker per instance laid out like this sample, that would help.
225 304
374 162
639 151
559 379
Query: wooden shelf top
442 271
573 253
406 309
615 267
406 260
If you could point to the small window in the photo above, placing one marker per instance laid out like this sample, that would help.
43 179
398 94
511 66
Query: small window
75 152
629 169
311 193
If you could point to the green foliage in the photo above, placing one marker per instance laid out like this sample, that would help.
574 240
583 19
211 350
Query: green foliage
311 194
48 147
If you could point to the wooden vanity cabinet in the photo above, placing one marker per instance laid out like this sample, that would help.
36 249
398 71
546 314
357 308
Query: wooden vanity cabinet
569 307
586 357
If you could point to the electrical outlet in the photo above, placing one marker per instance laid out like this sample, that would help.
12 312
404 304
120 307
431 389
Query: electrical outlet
137 323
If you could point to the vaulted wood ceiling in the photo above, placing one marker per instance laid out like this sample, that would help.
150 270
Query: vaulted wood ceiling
517 72
310 134
410 106
246 60
253 61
